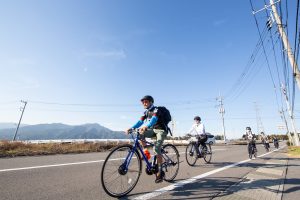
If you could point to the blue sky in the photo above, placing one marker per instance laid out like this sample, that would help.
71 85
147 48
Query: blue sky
96 59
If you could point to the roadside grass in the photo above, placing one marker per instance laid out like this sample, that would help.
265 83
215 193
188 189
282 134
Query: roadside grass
12 149
294 151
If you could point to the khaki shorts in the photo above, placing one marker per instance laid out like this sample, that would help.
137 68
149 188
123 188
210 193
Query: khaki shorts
160 137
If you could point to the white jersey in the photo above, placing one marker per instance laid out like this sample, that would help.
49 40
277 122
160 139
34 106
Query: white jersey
265 138
197 129
249 135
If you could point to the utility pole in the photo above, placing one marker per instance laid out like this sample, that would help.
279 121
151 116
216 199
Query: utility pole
286 44
284 38
260 127
291 57
22 109
173 127
282 115
296 137
222 112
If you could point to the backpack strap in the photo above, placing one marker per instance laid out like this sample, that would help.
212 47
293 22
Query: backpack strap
169 130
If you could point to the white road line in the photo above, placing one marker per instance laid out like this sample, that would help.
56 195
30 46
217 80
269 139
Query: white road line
218 150
67 164
46 166
193 179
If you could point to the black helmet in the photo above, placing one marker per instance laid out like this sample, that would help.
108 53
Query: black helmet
148 97
197 118
248 128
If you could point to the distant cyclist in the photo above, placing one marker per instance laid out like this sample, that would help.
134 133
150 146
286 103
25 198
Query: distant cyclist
250 137
150 125
275 141
198 130
265 140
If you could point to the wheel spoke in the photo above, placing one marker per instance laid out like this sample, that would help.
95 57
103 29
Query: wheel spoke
190 154
170 157
116 181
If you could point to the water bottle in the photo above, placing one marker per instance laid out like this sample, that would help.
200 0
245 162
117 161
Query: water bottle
147 154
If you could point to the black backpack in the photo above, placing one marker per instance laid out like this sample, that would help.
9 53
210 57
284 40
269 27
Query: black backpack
164 117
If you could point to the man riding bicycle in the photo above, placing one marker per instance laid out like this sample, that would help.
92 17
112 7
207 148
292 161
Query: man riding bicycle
265 140
275 141
251 139
198 130
151 126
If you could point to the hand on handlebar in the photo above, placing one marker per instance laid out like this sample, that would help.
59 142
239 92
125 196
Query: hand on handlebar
143 129
128 131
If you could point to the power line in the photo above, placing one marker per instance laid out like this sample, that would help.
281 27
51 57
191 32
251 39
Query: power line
247 69
257 67
296 50
284 58
260 36
8 102
84 105
270 19
178 103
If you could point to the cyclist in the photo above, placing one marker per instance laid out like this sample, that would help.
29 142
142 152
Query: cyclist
275 141
198 130
251 139
265 140
150 126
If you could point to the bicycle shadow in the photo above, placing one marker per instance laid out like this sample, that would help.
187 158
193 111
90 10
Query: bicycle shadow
224 186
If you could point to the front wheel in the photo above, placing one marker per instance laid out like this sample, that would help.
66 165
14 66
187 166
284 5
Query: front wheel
117 179
170 163
255 152
191 154
250 151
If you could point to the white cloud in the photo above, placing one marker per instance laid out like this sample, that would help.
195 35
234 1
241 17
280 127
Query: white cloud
21 61
22 84
141 32
124 117
219 22
114 54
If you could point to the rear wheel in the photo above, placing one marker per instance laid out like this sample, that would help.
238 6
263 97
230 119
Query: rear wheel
207 153
255 152
191 154
170 163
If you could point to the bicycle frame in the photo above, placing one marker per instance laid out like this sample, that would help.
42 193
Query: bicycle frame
196 147
138 146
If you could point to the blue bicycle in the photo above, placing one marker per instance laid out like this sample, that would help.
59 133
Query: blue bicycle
123 166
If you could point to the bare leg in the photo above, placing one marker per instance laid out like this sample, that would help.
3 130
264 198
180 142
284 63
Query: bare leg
159 161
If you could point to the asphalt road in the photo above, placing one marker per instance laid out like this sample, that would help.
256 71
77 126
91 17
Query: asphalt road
77 176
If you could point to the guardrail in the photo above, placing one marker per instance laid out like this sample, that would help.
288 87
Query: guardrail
118 141
68 141
124 141
104 141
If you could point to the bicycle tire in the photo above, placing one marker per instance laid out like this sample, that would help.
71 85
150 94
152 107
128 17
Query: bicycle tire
207 155
191 154
250 155
118 161
171 162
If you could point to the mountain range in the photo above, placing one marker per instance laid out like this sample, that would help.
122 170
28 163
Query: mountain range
59 131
